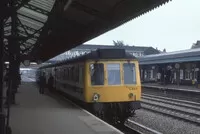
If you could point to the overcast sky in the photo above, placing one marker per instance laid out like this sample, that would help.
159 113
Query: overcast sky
174 26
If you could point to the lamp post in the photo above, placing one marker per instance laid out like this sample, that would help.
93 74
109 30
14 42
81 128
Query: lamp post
177 66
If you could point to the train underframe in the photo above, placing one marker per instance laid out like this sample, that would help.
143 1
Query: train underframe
116 112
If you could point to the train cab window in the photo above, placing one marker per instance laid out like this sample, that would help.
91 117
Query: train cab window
97 74
113 70
129 73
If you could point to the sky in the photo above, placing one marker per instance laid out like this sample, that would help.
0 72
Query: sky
173 26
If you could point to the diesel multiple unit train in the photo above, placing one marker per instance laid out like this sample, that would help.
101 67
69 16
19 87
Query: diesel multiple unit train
107 81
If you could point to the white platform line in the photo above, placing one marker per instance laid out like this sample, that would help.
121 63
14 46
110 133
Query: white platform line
95 117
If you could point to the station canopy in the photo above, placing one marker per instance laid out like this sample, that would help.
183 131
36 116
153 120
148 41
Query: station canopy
47 28
190 55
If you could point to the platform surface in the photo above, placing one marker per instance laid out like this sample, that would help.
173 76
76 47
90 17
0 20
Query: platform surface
44 114
172 87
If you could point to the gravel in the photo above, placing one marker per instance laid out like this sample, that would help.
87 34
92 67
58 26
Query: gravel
164 124
182 103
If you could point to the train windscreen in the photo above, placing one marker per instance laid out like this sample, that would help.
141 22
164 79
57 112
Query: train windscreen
129 73
113 70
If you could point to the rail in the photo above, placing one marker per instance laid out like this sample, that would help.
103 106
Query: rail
140 128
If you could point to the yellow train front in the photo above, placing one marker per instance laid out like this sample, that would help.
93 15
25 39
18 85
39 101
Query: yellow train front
107 80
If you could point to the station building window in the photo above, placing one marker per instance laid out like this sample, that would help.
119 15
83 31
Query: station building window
195 75
187 75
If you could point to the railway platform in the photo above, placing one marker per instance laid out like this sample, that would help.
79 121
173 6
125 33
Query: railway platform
37 113
181 88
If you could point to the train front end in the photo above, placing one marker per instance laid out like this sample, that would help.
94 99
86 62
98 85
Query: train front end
113 86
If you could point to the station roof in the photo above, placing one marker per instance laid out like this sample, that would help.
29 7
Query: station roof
171 57
30 20
49 27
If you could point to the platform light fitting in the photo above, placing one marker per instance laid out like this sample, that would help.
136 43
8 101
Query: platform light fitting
26 62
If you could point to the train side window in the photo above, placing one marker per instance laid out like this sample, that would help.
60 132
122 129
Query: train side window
81 74
129 73
70 73
113 70
97 74
73 74
57 76
64 74
77 74
67 77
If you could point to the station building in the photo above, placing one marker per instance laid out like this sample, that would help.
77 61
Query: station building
180 67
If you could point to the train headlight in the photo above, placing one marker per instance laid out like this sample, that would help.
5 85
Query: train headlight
130 95
96 97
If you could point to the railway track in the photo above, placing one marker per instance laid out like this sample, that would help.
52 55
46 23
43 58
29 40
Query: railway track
139 128
181 109
177 102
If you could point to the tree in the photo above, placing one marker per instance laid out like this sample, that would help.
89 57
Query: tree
193 45
196 45
119 43
164 50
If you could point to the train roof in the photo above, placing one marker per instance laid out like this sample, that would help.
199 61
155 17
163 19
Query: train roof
97 55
